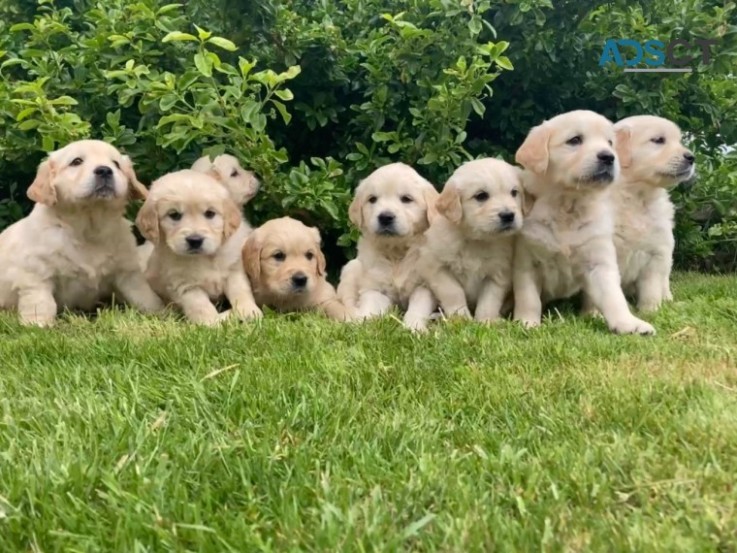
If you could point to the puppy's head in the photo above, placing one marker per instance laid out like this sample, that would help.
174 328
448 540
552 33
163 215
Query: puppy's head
190 212
86 172
574 150
650 151
484 197
283 257
242 185
393 202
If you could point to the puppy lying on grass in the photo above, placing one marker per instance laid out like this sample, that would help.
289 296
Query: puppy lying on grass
197 232
286 267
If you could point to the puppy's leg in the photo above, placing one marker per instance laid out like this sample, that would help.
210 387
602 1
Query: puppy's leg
421 305
239 294
651 290
326 301
348 286
372 303
602 284
528 307
450 294
588 309
136 291
37 306
491 299
198 308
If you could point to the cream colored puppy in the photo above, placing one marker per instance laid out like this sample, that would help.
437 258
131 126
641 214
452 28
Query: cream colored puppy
75 248
567 245
465 257
286 267
198 234
390 207
653 159
241 184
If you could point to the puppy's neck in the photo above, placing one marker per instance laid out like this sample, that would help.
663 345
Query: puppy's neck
393 249
86 221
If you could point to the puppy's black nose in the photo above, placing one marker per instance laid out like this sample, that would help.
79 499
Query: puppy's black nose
606 158
386 218
195 242
689 157
103 171
299 280
506 217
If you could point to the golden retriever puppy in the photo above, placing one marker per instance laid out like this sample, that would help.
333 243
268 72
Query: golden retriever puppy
286 267
197 233
241 184
75 248
465 257
653 159
567 244
391 208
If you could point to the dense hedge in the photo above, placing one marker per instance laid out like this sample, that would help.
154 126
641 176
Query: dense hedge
314 94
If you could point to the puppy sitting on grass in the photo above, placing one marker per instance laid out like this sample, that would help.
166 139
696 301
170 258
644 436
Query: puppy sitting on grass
283 261
465 257
197 232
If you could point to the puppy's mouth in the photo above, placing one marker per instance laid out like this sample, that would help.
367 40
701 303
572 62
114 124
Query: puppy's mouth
387 231
680 174
103 189
602 176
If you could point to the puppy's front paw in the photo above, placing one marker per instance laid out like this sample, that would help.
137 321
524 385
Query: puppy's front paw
41 322
461 312
529 323
633 325
415 325
249 312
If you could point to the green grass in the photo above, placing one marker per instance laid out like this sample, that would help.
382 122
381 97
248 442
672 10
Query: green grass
130 433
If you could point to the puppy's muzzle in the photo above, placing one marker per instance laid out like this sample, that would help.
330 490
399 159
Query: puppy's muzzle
605 168
194 243
506 220
104 182
386 221
299 281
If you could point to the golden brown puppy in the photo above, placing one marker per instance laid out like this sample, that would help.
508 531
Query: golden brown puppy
465 257
391 208
197 233
286 267
653 159
567 244
75 248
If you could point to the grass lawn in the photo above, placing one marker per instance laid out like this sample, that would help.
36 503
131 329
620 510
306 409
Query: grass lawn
132 433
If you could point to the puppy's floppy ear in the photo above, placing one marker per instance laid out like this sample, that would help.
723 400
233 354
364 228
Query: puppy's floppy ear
321 262
42 190
526 199
147 221
623 146
448 203
430 195
202 165
355 211
533 154
251 257
233 218
136 190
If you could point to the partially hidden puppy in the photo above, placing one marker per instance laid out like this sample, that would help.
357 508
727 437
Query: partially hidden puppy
75 248
653 159
286 268
198 233
465 257
567 245
392 208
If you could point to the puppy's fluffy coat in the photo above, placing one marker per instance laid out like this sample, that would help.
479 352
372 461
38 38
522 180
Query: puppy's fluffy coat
198 233
75 248
390 207
567 245
286 268
465 257
653 159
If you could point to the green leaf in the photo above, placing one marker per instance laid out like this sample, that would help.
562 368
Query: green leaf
168 8
202 33
292 72
223 43
28 124
48 143
203 64
504 63
22 27
26 113
64 101
286 116
284 94
478 107
177 36
167 102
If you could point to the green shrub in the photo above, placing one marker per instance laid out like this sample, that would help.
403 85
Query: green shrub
314 95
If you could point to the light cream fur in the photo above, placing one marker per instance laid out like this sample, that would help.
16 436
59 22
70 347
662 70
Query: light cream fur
286 267
75 248
566 245
368 284
187 206
465 257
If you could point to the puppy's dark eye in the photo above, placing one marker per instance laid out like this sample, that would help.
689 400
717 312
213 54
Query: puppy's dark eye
174 215
575 141
234 173
406 199
481 196
279 256
116 164
611 142
658 140
515 192
372 199
310 256
76 161
210 214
